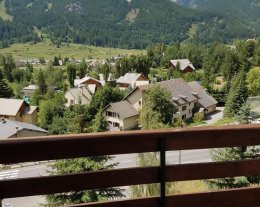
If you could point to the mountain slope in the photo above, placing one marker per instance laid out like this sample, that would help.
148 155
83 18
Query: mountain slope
122 23
246 11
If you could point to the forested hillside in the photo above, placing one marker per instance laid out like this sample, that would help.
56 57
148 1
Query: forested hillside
116 23
246 11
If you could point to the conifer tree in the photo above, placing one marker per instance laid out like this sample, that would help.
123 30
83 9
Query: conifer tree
232 154
237 96
71 73
41 83
76 122
5 90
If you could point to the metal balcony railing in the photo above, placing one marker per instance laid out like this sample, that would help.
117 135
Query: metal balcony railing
84 145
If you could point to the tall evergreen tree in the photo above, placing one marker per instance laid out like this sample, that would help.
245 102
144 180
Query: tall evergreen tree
232 154
237 96
41 83
5 90
71 73
77 122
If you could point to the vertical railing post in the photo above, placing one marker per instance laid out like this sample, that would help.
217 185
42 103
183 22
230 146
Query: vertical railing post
162 172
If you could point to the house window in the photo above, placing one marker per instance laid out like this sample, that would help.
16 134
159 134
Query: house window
71 102
114 115
140 103
196 104
184 117
184 108
116 125
108 113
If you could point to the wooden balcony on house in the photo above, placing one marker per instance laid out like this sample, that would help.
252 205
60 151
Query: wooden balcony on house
84 145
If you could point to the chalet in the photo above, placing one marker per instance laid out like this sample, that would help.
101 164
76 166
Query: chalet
79 95
15 129
18 110
92 83
185 66
183 97
131 80
29 90
135 97
121 116
187 98
206 101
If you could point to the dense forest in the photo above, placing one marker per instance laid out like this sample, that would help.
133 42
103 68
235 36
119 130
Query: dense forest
117 23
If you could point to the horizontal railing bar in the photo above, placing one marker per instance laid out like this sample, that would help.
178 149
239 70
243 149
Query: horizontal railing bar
72 146
125 177
244 197
76 182
202 171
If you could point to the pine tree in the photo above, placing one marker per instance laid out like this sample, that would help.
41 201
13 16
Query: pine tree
71 73
232 154
81 165
244 114
237 96
99 124
41 83
5 90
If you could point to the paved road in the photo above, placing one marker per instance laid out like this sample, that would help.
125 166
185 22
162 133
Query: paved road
25 172
125 161
214 117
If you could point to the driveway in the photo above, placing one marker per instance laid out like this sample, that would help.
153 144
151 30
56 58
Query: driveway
214 117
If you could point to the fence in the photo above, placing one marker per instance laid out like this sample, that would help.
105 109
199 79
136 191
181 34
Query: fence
73 146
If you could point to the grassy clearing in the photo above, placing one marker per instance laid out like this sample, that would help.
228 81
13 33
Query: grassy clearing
225 121
189 187
49 6
29 5
193 30
48 50
3 13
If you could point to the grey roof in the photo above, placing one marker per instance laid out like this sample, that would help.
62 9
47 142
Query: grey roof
10 107
9 128
184 63
129 78
82 93
180 90
205 100
124 109
141 88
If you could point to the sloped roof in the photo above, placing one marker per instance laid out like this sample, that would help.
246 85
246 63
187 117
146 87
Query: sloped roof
184 63
9 128
10 107
82 80
141 88
129 78
81 93
31 109
206 100
124 109
180 90
30 87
